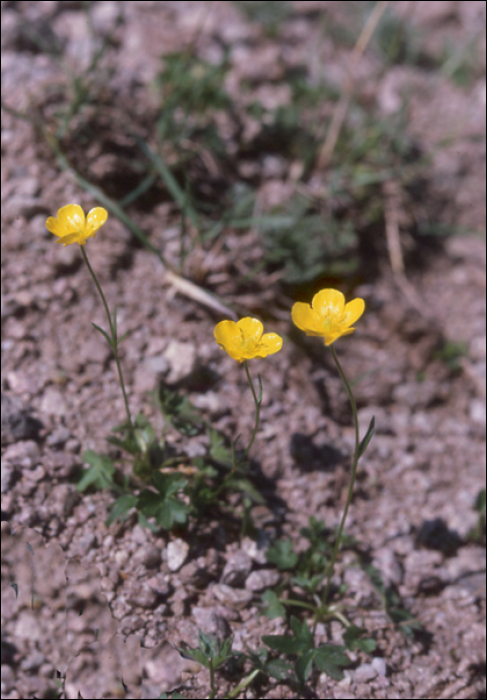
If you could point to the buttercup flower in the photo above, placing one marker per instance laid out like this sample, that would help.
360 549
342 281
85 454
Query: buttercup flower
244 340
328 316
71 226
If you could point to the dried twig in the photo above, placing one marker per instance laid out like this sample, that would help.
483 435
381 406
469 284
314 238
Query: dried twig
342 106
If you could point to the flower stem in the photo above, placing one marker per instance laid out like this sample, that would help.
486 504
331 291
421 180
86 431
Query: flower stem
258 403
356 455
113 334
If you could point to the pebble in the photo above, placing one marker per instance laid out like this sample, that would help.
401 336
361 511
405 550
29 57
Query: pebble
380 666
231 596
121 558
143 597
177 551
181 358
477 411
237 569
58 437
53 403
260 580
7 476
365 672
16 422
148 372
210 622
152 557
256 550
24 454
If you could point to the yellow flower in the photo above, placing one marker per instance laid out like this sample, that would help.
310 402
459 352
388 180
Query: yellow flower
244 340
328 316
71 226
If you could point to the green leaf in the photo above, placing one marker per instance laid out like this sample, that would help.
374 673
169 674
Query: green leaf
163 506
480 501
143 522
329 658
177 409
104 334
353 638
300 643
309 584
195 654
303 665
168 484
280 669
219 452
283 643
100 475
302 632
121 508
281 554
274 606
246 486
122 338
367 438
210 649
208 644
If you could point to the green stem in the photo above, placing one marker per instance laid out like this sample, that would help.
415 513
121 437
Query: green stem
258 403
338 540
212 679
113 333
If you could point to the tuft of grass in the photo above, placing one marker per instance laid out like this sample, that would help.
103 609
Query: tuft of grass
269 15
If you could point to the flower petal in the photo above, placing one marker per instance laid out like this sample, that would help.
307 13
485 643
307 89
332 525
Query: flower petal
329 303
71 219
305 318
328 316
244 340
269 344
353 311
71 238
229 337
95 219
52 225
251 328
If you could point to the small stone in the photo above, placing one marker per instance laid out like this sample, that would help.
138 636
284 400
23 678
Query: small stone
152 557
256 550
210 622
58 437
177 551
364 673
36 474
8 473
159 584
477 411
237 569
121 557
180 358
32 661
148 372
24 454
380 666
143 597
53 403
260 580
232 596
17 424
